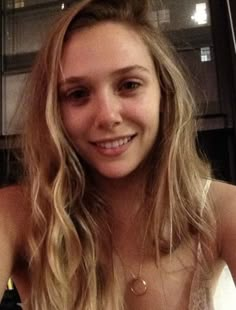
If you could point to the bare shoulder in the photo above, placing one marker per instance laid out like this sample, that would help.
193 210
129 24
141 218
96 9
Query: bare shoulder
223 193
223 196
12 229
13 207
13 214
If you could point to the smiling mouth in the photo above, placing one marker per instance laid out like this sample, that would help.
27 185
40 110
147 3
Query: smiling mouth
113 144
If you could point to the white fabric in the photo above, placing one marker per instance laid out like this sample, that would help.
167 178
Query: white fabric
225 294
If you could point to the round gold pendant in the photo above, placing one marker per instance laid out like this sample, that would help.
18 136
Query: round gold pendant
138 286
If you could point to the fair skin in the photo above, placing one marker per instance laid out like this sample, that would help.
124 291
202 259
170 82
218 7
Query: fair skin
110 101
106 105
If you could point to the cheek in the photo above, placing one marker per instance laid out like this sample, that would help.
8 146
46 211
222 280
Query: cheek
150 113
155 106
146 107
73 124
153 118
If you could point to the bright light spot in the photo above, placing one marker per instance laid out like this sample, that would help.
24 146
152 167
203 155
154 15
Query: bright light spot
63 6
19 4
200 15
163 16
205 54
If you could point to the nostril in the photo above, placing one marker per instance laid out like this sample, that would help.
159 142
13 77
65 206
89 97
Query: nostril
108 118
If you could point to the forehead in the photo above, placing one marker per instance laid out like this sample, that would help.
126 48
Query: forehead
104 46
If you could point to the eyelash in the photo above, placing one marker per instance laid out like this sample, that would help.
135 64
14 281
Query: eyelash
81 94
134 85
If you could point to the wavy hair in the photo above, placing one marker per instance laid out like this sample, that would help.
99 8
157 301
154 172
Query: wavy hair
68 241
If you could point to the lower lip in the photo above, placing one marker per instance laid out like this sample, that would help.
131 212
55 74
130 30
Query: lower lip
114 151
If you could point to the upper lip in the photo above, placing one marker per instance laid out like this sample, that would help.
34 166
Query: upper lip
111 139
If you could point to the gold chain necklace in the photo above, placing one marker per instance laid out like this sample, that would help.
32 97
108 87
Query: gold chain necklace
137 285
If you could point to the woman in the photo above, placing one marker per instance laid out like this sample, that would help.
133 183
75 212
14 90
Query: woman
116 209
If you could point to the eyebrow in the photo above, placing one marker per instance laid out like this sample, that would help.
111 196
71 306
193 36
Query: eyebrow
76 79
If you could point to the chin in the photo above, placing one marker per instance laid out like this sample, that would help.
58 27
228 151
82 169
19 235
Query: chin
117 173
114 175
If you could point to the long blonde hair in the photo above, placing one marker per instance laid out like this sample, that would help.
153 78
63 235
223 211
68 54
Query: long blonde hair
68 238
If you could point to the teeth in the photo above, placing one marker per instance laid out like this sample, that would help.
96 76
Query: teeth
114 144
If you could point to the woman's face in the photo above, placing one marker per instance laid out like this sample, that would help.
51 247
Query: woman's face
110 98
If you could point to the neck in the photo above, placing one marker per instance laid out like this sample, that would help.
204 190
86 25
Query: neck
124 196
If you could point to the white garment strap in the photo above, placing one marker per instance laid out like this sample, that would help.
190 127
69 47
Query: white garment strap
204 195
203 204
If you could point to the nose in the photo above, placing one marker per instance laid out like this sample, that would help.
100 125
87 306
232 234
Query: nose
108 110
